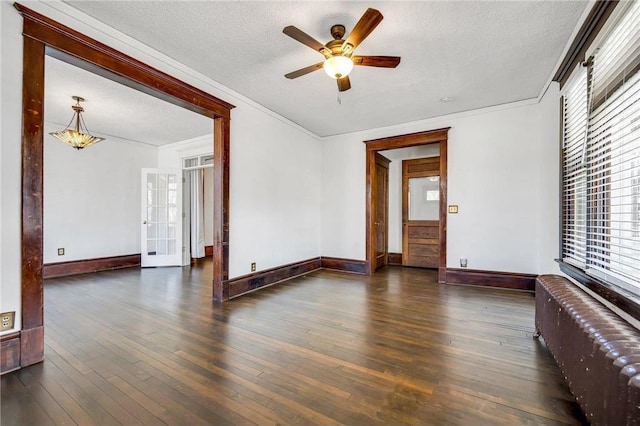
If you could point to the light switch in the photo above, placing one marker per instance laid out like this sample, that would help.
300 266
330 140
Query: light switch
453 208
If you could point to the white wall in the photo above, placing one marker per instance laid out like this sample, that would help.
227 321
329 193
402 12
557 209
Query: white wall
171 155
10 158
275 193
274 186
548 188
275 165
92 197
293 198
498 174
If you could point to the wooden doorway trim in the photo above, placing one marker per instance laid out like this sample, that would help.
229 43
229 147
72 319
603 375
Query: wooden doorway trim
438 136
380 212
419 168
43 36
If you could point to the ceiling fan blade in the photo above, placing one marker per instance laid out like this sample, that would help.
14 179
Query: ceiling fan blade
303 38
367 23
344 84
376 61
304 71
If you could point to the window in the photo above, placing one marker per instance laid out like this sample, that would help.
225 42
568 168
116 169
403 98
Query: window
601 159
199 162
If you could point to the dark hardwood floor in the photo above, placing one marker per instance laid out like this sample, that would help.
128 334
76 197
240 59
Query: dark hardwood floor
150 347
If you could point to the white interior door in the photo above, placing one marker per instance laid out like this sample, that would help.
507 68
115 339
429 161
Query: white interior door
161 234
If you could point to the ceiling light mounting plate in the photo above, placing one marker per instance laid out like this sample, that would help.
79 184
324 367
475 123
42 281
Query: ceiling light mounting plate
337 31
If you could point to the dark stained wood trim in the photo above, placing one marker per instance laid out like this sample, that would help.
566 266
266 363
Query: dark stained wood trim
395 259
221 167
402 141
442 267
599 14
31 346
410 139
479 277
623 299
381 164
370 254
208 251
9 352
83 266
346 265
42 36
32 338
250 282
147 79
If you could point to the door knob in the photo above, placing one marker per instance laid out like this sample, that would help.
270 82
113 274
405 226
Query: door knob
144 222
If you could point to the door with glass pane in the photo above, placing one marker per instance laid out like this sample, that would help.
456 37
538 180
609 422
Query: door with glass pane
161 234
421 212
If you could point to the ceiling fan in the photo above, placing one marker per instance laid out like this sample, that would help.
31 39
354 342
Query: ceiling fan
338 53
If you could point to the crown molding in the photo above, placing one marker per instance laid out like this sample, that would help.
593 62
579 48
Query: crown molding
75 19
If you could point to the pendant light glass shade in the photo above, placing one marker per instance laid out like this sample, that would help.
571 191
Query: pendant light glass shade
77 137
338 66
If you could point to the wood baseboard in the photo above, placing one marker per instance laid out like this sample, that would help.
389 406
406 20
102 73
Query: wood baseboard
478 277
395 259
247 283
74 267
9 352
345 265
208 251
31 346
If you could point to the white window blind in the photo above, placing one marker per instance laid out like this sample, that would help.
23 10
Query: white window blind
575 114
601 178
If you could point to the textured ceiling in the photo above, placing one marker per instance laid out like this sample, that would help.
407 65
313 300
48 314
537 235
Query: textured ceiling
481 53
112 109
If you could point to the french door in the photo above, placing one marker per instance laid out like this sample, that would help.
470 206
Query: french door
161 222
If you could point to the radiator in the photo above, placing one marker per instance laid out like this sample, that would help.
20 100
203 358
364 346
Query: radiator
597 351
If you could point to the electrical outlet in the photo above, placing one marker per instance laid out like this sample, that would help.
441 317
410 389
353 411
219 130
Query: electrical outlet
253 266
61 251
7 320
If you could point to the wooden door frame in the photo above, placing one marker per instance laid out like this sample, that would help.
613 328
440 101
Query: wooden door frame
439 136
382 161
405 176
43 36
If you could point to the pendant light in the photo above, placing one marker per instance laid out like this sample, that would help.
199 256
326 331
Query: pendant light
77 137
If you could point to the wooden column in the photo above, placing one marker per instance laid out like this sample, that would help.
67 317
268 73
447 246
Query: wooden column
221 143
32 334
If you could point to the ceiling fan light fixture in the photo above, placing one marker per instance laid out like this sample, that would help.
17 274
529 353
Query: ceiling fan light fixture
338 66
77 137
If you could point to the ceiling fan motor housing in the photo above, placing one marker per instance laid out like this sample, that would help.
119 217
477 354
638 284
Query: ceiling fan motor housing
337 31
335 46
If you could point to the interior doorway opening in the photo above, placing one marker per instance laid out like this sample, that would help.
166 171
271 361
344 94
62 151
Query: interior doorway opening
374 147
43 36
197 172
420 182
